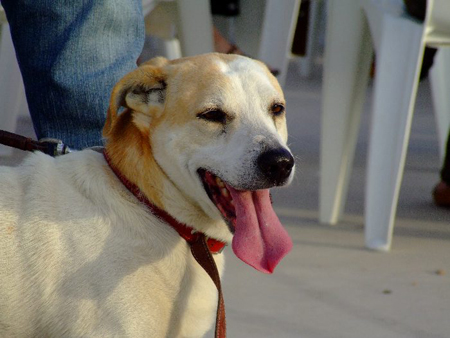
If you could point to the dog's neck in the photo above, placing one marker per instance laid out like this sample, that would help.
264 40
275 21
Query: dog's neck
131 153
184 231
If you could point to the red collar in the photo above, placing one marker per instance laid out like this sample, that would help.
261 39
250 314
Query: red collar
188 233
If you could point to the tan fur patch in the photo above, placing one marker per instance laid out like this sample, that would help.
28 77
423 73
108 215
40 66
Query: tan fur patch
130 151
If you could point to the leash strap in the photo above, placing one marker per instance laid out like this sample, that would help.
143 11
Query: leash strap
203 256
20 142
50 147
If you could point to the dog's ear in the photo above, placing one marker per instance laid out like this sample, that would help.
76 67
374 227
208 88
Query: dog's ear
141 91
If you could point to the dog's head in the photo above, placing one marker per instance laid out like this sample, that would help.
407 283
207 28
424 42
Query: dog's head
205 138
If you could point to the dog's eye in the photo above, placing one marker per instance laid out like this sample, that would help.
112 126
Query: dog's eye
217 116
277 109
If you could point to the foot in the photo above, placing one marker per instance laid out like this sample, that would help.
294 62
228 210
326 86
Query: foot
222 45
441 195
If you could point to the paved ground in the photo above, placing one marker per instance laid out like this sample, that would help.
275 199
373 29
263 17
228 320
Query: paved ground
330 286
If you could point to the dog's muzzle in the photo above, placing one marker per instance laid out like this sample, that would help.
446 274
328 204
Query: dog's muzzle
276 165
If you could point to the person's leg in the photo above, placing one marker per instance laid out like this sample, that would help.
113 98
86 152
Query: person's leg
445 171
71 53
441 193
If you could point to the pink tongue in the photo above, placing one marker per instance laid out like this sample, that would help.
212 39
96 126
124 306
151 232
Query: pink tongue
259 240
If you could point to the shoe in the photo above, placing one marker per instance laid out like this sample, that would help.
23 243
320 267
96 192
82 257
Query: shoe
441 195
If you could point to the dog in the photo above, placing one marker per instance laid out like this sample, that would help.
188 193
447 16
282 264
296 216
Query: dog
203 139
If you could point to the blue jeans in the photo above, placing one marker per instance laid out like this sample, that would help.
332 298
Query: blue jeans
71 53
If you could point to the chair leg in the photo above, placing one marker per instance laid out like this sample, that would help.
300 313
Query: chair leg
396 81
195 27
306 63
276 39
171 49
440 87
348 55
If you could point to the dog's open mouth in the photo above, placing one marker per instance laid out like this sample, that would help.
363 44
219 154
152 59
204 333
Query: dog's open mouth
259 238
220 195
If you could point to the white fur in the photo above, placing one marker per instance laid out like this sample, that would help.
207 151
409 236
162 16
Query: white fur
80 257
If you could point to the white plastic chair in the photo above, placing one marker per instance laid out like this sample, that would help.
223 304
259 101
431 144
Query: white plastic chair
305 64
195 27
399 42
280 18
184 26
440 84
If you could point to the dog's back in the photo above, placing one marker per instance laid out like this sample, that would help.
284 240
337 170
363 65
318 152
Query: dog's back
75 247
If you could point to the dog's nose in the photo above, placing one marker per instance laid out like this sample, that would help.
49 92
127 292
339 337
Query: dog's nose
276 165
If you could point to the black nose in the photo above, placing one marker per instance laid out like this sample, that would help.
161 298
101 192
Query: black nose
276 165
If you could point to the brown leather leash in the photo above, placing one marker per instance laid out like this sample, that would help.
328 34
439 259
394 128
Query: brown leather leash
52 147
201 247
203 256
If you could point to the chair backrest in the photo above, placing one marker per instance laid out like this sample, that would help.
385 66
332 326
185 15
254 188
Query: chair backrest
437 23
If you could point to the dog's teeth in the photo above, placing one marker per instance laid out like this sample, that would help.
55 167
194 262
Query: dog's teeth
220 182
225 192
